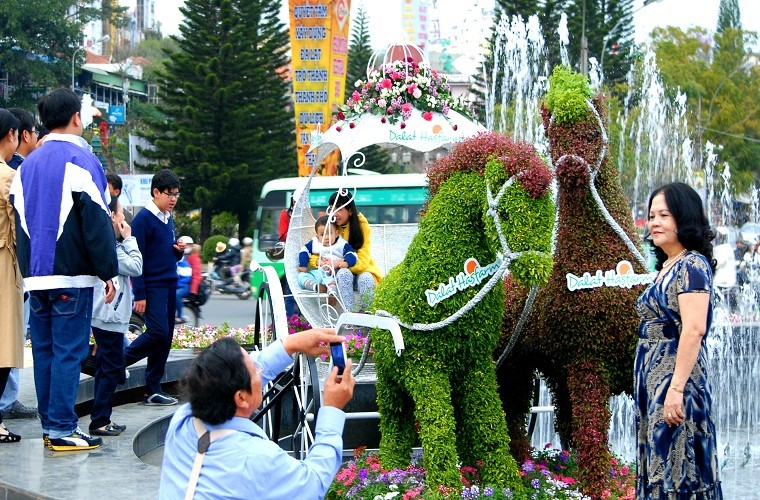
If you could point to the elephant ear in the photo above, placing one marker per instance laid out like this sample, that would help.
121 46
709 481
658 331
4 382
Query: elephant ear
526 213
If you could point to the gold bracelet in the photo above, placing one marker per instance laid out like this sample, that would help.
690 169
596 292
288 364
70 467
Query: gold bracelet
674 388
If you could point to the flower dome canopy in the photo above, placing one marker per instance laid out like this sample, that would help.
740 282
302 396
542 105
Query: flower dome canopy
402 102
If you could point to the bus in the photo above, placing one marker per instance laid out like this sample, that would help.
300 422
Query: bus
382 198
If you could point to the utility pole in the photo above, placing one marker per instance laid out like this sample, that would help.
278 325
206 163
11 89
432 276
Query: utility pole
584 44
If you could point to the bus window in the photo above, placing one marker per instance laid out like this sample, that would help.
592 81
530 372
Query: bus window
269 223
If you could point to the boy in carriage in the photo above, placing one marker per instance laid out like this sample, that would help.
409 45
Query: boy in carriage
334 253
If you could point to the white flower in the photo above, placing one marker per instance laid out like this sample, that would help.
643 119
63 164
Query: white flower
393 487
357 108
385 92
358 83
382 103
394 494
417 93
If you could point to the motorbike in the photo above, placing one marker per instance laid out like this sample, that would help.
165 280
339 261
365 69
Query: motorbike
222 281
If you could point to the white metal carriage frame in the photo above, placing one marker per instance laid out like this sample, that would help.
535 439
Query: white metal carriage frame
292 401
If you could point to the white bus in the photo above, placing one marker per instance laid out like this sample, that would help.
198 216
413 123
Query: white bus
382 198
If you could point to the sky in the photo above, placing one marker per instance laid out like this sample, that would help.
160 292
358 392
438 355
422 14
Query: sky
385 16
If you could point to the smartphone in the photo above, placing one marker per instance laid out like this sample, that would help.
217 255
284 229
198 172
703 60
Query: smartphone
338 355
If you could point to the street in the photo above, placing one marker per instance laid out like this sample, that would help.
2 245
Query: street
220 308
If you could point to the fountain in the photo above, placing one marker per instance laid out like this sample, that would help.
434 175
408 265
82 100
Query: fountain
654 126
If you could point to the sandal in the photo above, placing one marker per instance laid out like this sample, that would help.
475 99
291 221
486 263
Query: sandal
8 436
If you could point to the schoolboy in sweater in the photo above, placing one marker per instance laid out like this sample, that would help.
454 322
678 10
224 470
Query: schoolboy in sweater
155 291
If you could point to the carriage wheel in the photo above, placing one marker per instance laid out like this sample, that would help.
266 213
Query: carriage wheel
306 403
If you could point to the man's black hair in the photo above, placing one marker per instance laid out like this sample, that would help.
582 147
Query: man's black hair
115 181
26 119
113 204
8 121
41 131
163 180
213 379
57 108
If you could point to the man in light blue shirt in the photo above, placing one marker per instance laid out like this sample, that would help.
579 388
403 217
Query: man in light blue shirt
224 386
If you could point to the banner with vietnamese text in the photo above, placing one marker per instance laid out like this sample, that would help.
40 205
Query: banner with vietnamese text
319 31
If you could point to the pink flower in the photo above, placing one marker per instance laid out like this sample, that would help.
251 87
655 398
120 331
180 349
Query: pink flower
341 116
338 129
417 93
381 103
386 83
390 111
403 125
624 470
356 96
382 119
351 125
455 127
427 115
406 107
411 88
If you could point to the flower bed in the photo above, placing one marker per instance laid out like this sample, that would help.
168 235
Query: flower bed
186 337
548 475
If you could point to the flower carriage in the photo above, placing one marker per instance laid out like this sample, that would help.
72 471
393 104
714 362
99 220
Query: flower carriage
404 103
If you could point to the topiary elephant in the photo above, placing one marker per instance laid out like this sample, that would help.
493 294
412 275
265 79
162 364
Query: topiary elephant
582 340
441 392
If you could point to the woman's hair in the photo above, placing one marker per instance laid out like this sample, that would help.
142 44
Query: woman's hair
213 379
694 231
8 121
344 199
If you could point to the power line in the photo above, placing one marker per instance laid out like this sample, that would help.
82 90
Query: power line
743 137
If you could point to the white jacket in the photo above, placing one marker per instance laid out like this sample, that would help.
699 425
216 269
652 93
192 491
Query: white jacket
114 317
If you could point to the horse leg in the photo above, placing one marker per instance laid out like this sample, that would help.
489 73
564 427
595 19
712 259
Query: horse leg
589 391
397 433
431 391
482 432
515 379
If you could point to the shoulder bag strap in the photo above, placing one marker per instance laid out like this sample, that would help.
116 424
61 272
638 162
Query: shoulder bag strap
204 441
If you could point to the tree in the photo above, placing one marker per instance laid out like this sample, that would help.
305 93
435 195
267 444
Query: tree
38 39
723 90
227 126
359 54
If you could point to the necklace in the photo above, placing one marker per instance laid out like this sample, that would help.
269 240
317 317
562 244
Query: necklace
673 259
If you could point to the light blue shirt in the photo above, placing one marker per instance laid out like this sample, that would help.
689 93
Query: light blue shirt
247 464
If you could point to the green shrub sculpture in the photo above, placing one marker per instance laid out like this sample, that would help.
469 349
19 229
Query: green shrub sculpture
582 341
441 392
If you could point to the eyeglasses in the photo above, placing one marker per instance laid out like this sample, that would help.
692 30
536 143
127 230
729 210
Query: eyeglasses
35 132
173 196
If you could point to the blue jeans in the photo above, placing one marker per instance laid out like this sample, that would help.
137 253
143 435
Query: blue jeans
182 292
110 358
60 325
156 341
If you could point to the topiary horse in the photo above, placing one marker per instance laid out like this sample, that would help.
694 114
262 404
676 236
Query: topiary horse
442 389
582 341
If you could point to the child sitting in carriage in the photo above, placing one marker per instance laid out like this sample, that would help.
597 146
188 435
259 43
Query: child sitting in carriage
334 253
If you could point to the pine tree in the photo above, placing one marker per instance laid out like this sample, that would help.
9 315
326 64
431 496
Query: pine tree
729 37
226 128
359 54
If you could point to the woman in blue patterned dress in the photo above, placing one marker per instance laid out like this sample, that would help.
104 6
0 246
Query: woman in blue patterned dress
677 454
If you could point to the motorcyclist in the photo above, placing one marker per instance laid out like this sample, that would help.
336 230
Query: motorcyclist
246 253
223 261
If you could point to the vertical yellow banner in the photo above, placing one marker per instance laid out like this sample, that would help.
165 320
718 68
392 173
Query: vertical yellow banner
319 31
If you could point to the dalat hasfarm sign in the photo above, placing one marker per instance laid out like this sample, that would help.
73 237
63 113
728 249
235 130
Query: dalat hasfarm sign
471 277
622 277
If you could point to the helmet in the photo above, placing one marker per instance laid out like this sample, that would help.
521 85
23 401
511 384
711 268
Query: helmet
234 242
247 241
186 239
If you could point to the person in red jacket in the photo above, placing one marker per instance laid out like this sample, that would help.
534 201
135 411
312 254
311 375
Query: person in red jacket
194 258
